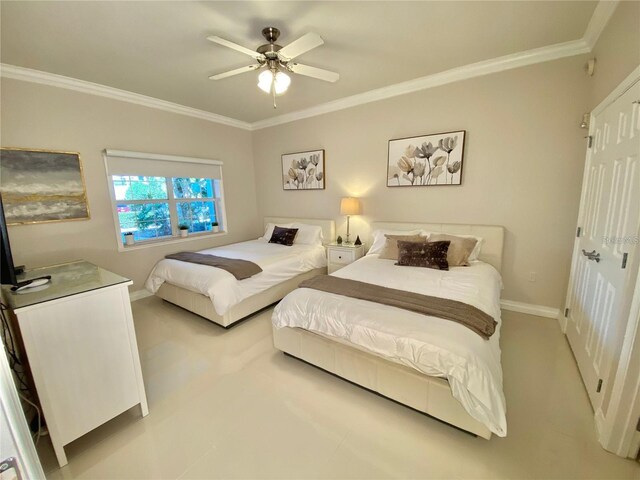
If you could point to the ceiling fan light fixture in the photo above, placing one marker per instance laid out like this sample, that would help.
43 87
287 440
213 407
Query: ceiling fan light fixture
279 82
282 82
265 79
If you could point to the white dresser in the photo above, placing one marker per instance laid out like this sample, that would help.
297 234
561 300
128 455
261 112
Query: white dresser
81 347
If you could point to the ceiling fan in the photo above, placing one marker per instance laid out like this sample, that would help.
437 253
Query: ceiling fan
277 60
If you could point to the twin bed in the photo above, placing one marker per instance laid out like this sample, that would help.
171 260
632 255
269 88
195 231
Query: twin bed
217 296
435 366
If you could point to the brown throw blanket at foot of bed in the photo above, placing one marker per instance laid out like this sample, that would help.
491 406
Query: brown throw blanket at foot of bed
467 315
240 269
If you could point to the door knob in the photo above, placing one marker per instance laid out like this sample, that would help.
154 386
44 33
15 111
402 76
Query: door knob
591 255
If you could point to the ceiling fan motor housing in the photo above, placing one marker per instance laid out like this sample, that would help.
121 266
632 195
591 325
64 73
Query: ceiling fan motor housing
270 49
271 34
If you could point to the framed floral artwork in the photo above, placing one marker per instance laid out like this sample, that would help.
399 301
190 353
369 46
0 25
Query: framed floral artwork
434 159
303 170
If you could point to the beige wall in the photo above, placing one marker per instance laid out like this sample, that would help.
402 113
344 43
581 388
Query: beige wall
523 166
523 161
617 51
37 116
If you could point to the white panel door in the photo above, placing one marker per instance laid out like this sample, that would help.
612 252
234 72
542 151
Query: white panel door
607 240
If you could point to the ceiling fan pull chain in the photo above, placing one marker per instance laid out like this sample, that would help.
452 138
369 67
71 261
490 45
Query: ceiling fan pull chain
273 91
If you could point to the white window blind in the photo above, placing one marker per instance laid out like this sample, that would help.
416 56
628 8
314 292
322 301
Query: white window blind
120 162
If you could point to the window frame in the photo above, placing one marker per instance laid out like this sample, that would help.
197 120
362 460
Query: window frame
171 200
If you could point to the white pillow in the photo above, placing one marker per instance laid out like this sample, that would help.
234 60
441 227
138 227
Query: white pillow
308 234
379 238
268 231
476 250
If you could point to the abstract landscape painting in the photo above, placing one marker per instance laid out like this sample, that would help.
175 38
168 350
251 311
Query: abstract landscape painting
42 186
425 161
303 171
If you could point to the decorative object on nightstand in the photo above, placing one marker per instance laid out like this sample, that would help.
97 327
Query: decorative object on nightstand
128 238
358 241
339 256
339 240
183 230
349 206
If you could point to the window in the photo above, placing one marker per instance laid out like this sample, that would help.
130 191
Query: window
152 207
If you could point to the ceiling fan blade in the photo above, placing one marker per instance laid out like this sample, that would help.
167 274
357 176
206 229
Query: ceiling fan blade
314 72
231 73
303 44
235 46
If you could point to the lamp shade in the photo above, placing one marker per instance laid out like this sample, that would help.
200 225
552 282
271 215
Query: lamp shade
350 206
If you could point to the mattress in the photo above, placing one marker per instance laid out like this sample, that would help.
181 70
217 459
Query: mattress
278 262
430 345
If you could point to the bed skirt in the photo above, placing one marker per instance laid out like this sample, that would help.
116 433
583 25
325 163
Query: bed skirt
202 305
430 395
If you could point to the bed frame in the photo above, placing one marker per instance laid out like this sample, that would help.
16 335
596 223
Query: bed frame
426 394
201 304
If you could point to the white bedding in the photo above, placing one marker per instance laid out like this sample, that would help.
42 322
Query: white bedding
431 345
278 262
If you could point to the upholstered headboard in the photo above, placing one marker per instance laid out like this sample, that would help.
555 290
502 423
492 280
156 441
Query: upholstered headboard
493 236
328 226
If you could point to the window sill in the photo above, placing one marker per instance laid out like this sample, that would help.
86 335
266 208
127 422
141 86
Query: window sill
168 241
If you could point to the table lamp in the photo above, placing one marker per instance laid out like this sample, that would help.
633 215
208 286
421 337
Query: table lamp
349 206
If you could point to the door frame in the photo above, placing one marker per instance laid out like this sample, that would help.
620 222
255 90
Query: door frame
616 431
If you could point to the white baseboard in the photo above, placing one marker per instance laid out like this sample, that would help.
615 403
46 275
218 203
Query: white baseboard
599 421
138 294
539 310
562 321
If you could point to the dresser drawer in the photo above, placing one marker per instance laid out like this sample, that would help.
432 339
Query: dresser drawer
341 256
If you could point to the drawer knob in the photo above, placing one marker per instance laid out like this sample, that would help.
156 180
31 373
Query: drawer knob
339 256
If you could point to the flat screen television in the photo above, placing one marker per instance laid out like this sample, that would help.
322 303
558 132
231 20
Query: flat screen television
8 271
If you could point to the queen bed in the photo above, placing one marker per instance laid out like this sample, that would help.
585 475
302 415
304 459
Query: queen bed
218 296
432 365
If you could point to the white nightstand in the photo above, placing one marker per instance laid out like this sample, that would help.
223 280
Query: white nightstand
339 256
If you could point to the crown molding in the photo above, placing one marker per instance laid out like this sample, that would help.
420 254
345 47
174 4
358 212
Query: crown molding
51 79
485 67
601 16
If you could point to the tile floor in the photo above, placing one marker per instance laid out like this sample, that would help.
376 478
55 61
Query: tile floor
225 404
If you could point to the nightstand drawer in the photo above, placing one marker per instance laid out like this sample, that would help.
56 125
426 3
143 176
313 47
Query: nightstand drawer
341 256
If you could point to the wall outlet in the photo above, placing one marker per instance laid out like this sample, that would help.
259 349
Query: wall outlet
532 276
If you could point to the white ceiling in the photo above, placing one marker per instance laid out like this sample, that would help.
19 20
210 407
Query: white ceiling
159 48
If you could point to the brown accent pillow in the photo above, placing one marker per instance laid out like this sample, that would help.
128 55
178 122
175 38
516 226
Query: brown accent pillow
428 254
390 249
459 250
283 236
